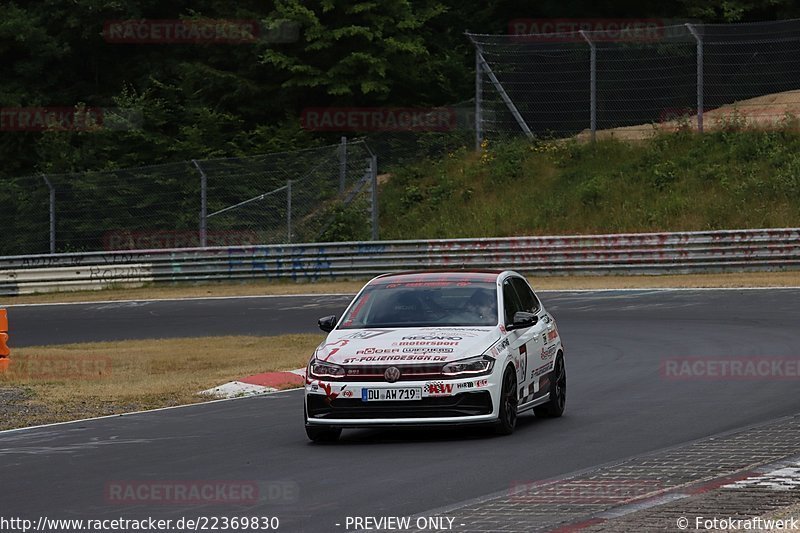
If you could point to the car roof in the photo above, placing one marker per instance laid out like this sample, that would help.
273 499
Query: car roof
438 275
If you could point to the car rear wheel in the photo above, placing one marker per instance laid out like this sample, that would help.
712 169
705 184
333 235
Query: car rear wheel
558 392
507 419
321 433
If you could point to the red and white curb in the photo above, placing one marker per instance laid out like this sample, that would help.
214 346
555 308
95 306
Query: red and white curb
259 384
785 477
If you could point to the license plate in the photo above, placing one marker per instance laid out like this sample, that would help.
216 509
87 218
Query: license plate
391 395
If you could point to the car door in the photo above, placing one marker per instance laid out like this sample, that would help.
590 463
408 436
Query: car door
517 341
535 337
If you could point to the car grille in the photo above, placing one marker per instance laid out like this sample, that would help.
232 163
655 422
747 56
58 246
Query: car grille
465 404
407 372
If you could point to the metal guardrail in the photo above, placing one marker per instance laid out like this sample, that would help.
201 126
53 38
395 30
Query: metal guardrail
633 253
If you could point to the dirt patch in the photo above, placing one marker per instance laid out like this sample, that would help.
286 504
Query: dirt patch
771 111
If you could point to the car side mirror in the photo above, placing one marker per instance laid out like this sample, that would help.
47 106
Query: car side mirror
522 320
327 323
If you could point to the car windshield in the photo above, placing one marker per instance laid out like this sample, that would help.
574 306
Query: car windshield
435 303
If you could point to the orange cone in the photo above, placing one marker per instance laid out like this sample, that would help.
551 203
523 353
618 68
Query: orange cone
5 353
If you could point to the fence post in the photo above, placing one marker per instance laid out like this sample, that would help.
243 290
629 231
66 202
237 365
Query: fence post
342 165
373 169
52 214
699 40
289 211
478 101
592 85
503 94
203 205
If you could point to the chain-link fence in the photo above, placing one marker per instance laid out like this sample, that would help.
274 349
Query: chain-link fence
312 195
399 148
699 76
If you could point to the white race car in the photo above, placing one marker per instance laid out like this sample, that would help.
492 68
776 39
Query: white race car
436 348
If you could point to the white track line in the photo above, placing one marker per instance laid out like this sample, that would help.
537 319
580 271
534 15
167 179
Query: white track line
146 411
181 299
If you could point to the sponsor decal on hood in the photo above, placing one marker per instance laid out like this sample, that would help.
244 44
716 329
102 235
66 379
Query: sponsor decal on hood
405 345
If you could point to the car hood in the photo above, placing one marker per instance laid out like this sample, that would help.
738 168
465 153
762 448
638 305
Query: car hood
406 345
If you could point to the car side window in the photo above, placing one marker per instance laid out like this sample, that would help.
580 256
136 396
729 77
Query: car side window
511 302
529 301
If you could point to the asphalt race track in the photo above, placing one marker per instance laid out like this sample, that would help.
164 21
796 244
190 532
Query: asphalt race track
113 321
620 403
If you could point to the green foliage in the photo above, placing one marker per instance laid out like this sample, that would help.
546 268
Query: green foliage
591 191
345 223
195 101
675 181
208 100
411 196
506 160
737 10
351 49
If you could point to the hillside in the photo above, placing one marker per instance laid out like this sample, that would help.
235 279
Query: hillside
730 178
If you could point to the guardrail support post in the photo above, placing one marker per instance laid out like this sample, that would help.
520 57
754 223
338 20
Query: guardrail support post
52 214
203 204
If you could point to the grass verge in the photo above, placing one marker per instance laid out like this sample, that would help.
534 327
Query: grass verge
66 382
208 290
734 178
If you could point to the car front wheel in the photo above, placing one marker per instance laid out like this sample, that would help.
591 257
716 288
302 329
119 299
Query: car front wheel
558 392
507 419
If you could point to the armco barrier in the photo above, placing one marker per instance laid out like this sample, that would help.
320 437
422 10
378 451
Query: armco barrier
634 253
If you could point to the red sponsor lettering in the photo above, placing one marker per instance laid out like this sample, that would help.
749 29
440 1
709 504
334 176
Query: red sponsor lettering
439 388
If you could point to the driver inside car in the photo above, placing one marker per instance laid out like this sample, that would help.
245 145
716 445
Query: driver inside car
481 306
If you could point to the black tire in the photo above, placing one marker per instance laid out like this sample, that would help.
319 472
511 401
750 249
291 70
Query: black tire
507 419
321 433
558 392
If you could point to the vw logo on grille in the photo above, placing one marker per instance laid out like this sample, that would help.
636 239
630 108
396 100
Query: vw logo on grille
392 374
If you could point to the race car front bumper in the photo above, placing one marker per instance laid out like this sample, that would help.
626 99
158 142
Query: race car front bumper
453 402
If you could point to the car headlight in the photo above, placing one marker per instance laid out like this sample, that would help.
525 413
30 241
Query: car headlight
473 366
325 370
